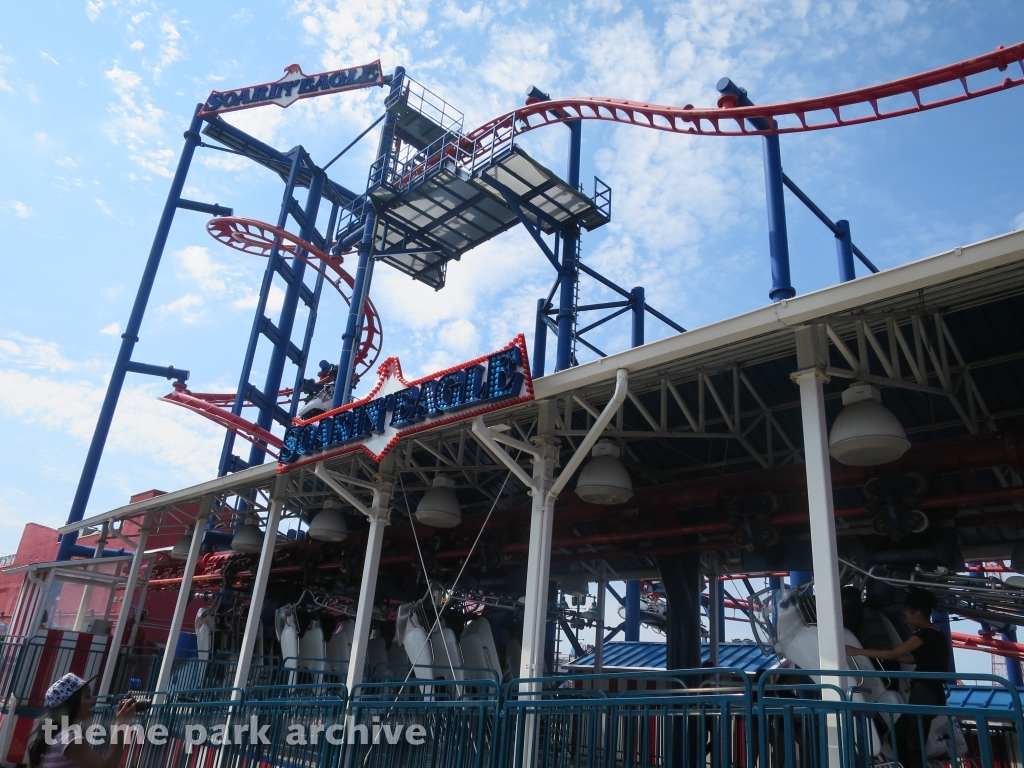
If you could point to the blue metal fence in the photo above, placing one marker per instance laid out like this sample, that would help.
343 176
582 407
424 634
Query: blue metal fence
710 718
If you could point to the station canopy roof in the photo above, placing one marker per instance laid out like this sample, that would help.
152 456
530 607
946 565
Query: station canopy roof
942 338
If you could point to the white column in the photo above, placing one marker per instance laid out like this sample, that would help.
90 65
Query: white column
811 358
254 621
184 592
126 604
379 515
83 607
825 559
367 594
538 573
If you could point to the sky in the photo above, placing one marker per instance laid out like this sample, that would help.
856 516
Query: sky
95 95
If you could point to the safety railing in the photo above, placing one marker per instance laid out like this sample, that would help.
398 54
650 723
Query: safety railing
637 720
801 722
714 718
10 648
38 662
427 103
418 726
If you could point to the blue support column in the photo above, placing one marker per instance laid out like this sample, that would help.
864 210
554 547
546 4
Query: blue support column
364 268
540 341
569 273
286 321
778 238
129 338
632 628
799 578
228 461
844 252
638 316
354 324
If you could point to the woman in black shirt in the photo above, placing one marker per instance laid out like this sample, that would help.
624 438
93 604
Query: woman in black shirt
929 649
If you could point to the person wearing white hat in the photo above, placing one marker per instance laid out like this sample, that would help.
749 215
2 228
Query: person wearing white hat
56 743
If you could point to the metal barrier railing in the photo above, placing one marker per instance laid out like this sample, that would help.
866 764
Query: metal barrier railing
636 720
408 726
10 648
801 722
714 718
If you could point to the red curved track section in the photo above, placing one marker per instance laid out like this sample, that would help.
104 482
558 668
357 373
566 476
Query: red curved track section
244 429
842 109
258 238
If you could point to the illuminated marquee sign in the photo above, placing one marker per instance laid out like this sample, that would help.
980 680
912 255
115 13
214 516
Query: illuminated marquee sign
396 407
293 86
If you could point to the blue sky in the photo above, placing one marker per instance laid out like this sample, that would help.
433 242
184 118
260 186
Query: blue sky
95 94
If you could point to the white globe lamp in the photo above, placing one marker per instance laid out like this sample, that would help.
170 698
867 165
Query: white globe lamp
439 507
866 433
605 480
329 523
248 538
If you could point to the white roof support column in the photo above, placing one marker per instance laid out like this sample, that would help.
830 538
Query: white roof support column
379 515
544 488
254 621
126 603
83 606
812 359
538 568
184 592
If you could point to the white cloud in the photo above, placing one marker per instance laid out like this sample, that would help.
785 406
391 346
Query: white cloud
522 56
105 208
187 448
477 15
17 350
49 58
137 45
1018 221
170 52
275 300
93 8
19 209
197 264
157 161
114 329
188 308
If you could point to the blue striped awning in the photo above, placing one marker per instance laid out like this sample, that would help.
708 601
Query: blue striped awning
643 654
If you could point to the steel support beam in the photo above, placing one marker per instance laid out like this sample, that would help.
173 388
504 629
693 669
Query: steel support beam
129 339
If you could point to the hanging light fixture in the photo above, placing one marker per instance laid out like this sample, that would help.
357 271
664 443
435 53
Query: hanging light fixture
439 507
329 523
249 538
574 583
181 547
866 433
604 480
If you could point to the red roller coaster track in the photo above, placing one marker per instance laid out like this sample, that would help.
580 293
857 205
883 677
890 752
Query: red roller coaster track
842 109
